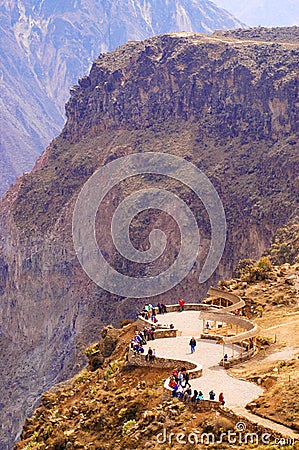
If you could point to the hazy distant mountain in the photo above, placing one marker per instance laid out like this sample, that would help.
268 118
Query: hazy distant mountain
47 45
267 13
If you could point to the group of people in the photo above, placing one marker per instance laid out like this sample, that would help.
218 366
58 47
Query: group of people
179 381
181 388
149 311
140 339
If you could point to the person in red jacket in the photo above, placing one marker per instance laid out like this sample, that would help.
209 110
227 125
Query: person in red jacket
221 398
181 304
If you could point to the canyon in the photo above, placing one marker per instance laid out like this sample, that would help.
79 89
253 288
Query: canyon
226 102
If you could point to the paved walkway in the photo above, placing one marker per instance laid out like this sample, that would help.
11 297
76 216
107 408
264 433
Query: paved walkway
208 353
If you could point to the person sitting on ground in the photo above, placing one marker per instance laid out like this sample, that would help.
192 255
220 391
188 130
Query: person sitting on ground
212 395
138 348
171 326
199 397
225 357
139 338
172 382
174 390
180 392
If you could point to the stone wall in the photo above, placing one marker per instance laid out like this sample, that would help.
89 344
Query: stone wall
203 405
161 331
195 370
160 328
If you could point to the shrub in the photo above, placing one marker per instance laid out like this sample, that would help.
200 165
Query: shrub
127 426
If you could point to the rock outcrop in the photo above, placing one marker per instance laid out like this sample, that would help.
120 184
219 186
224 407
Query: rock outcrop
227 105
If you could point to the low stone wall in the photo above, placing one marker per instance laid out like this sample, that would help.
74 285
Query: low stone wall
237 360
247 354
176 308
165 333
188 307
202 405
195 370
161 331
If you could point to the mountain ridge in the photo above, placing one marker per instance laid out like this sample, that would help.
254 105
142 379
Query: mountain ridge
46 46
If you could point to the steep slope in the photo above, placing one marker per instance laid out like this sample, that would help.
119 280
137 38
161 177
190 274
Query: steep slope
112 405
228 106
46 46
266 13
27 120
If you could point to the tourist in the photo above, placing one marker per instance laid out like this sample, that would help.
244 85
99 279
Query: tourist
146 333
143 338
149 356
181 305
172 383
159 306
152 333
149 309
181 378
153 355
221 399
153 313
174 390
138 348
194 397
164 309
175 374
187 395
192 344
186 378
199 397
180 392
212 395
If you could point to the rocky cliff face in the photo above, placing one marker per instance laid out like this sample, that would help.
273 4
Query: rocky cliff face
227 105
47 45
